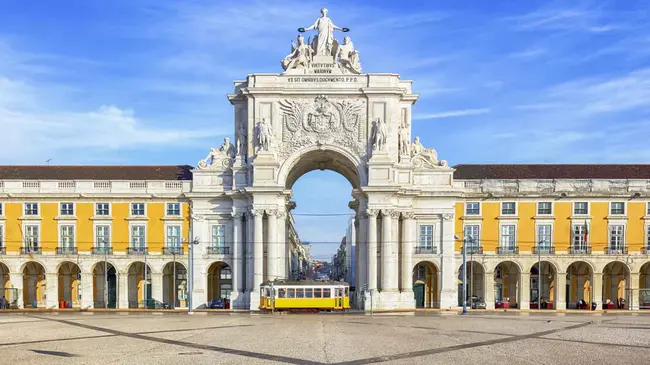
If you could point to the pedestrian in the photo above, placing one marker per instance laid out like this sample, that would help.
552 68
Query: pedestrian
3 303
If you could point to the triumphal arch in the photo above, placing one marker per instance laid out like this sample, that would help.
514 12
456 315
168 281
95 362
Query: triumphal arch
323 112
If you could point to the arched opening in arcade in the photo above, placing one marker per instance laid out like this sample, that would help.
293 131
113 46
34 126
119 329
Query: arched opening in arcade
644 286
546 279
104 285
475 284
219 281
616 279
69 277
4 280
579 291
507 285
139 280
425 285
34 285
175 285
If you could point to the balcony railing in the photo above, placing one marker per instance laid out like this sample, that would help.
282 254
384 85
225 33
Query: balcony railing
508 250
473 250
31 250
219 250
137 251
426 250
172 250
66 250
545 250
102 251
580 250
616 251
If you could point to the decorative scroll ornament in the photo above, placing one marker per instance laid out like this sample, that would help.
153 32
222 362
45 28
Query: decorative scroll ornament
425 157
321 121
218 158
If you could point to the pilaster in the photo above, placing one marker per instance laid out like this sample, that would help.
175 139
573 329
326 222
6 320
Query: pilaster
258 258
488 279
123 290
372 249
238 275
272 245
448 274
597 289
51 291
560 291
282 245
17 281
157 286
86 290
524 291
408 234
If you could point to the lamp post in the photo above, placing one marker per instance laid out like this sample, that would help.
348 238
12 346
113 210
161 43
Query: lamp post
190 281
464 249
539 275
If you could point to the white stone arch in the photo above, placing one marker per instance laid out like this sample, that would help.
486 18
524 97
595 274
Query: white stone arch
603 265
130 263
552 262
589 263
25 263
483 267
516 262
288 174
93 266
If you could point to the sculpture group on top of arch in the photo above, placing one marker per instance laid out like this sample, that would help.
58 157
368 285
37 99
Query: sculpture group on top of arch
324 44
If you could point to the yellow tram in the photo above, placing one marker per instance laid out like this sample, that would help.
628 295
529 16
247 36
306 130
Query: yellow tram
310 296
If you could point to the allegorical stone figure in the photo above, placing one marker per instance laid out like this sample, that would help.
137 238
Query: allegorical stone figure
226 151
349 57
323 43
241 140
264 135
428 153
404 141
300 56
378 134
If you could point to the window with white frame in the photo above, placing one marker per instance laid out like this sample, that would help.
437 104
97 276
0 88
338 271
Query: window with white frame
31 208
137 209
103 236
102 209
219 235
174 236
617 208
544 236
138 236
426 237
508 238
472 233
2 235
616 237
579 240
174 209
472 208
544 208
67 236
225 273
508 208
581 208
67 209
31 236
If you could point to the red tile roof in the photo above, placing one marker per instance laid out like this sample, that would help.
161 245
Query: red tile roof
477 172
70 172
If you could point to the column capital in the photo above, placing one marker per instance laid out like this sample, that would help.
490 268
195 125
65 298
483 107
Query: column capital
408 215
282 213
256 213
372 212
237 215
447 216
272 212
394 214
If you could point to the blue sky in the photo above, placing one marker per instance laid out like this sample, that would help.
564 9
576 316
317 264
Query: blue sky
144 81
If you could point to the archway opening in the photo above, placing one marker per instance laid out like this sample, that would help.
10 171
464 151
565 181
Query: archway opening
175 285
5 285
507 285
34 285
546 278
616 279
140 286
475 284
219 281
425 285
644 286
69 277
579 291
104 286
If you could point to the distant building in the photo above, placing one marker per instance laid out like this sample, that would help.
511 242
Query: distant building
350 253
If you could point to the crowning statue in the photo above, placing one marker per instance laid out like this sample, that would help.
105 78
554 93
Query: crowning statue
426 155
263 135
300 56
222 154
324 42
349 57
379 134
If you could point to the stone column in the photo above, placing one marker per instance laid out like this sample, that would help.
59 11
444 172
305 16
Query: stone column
17 282
597 289
372 249
249 252
449 269
394 244
387 263
157 286
123 290
238 276
408 233
86 290
488 280
524 291
633 302
560 291
272 245
282 244
51 290
258 250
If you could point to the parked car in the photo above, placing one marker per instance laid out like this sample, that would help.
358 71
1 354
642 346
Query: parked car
217 304
477 303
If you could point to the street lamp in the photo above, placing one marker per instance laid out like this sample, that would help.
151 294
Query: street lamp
465 240
190 281
539 274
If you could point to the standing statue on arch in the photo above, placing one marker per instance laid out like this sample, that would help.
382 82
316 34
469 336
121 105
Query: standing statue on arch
264 135
324 43
379 134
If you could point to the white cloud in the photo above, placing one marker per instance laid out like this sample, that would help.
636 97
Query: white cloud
451 114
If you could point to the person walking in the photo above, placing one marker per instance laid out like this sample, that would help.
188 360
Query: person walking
3 303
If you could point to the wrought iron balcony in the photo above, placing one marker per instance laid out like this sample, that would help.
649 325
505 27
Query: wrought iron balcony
66 250
616 250
137 251
219 250
426 250
544 250
172 250
31 250
102 251
580 250
474 250
508 250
